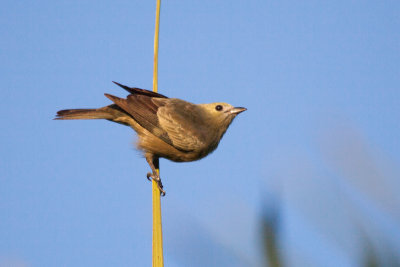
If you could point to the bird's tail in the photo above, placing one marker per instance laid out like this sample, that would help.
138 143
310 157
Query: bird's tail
83 114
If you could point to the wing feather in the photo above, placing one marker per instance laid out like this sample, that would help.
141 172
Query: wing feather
144 111
135 90
184 124
176 122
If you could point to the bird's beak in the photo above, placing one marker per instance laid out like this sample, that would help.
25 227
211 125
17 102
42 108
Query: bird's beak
237 110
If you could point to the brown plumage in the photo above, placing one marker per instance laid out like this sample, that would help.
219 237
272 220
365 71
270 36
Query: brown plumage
168 128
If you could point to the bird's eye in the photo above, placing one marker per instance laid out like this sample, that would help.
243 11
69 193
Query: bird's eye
218 107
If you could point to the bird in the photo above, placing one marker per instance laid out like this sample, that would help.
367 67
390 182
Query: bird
168 128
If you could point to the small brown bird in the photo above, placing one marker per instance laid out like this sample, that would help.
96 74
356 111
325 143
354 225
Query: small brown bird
168 128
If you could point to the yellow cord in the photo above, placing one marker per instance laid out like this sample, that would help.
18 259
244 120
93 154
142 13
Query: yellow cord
158 259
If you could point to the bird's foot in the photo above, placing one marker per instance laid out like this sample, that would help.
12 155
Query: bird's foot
157 179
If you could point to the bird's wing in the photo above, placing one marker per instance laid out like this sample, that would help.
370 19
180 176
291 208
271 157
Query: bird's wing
143 110
183 123
174 121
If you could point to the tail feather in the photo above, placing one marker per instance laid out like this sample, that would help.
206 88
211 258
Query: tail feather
83 114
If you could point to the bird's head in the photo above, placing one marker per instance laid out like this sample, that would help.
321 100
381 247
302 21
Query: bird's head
222 114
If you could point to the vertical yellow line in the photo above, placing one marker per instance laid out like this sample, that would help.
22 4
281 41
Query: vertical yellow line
158 260
157 30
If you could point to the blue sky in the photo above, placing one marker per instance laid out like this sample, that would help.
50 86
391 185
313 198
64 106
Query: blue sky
320 139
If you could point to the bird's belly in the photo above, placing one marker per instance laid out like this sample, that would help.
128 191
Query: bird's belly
151 144
187 156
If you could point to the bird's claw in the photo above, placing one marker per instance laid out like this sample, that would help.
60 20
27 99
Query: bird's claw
157 179
162 191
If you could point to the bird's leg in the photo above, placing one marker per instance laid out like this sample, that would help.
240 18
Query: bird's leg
153 163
